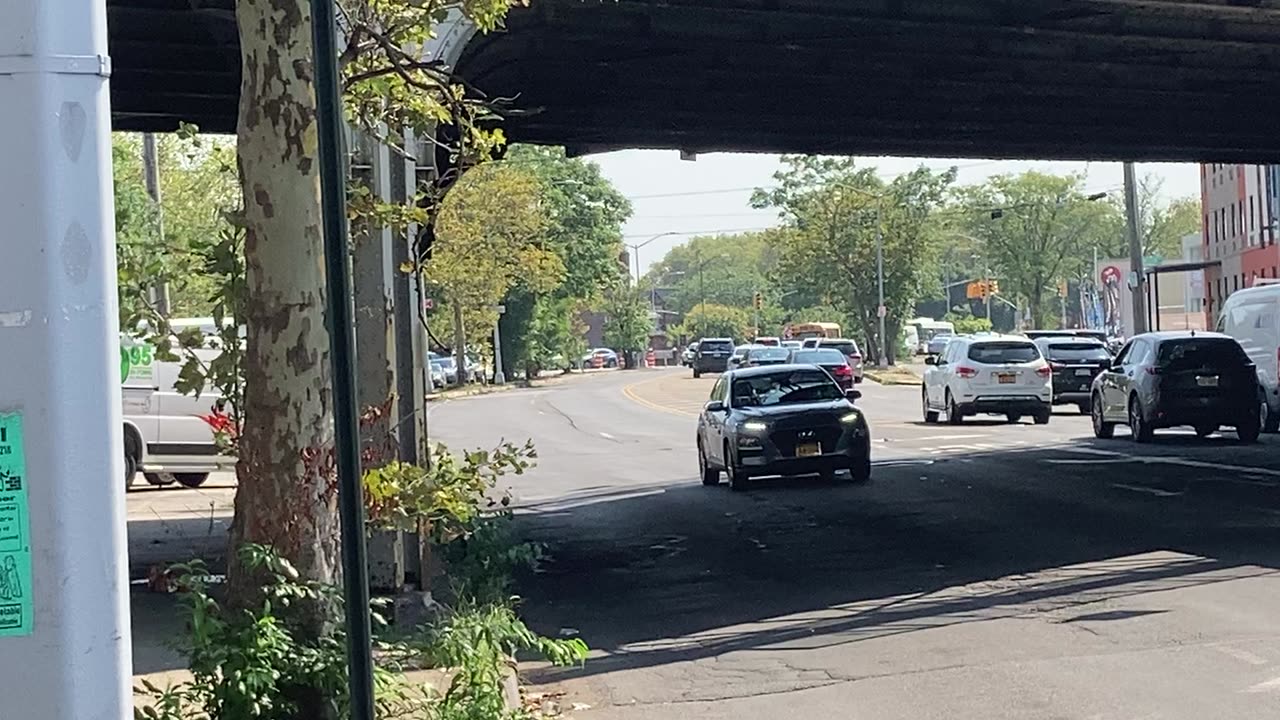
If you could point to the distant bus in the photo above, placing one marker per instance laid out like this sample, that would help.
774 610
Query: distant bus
804 331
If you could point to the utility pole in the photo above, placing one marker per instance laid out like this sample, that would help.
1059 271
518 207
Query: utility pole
459 343
151 176
1135 250
499 378
64 618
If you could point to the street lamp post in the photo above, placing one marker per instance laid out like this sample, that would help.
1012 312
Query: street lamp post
635 250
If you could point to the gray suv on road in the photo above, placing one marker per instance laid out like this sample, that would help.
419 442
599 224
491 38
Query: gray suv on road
712 355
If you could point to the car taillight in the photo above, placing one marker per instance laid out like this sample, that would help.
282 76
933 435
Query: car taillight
966 372
1057 365
1044 371
843 370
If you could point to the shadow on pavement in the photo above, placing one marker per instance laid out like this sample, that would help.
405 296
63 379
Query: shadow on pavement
674 571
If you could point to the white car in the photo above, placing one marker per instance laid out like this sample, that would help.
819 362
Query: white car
988 374
1252 317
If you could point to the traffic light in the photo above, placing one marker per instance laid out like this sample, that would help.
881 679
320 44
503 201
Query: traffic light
757 300
974 290
993 287
984 289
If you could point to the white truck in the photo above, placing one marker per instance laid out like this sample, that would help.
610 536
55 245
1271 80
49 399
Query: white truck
166 437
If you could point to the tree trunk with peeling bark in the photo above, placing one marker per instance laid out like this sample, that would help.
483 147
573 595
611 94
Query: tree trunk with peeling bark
286 497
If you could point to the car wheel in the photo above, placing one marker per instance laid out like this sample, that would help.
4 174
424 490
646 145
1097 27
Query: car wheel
953 411
1042 417
696 373
860 472
158 479
1269 421
191 480
1085 407
1101 428
130 469
930 415
738 477
1137 424
1248 430
1012 417
710 476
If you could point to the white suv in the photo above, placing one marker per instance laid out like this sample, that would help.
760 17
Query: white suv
992 374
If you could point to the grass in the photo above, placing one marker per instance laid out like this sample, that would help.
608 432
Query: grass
892 376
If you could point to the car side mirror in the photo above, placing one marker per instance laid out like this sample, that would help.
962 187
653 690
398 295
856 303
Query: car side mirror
931 360
853 394
714 406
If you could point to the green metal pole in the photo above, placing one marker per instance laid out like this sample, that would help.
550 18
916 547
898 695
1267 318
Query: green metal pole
355 573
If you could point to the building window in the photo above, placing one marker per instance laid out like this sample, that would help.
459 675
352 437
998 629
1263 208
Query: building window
1253 215
1235 283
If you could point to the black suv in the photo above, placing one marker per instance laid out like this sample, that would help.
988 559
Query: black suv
1166 379
712 356
1075 362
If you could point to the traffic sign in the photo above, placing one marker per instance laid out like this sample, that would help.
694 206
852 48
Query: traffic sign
882 311
1111 274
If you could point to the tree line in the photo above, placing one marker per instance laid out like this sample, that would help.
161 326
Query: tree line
1035 233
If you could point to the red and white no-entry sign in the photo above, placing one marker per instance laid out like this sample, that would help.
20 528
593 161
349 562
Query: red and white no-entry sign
1111 274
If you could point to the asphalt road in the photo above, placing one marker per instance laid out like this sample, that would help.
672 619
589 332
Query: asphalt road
988 571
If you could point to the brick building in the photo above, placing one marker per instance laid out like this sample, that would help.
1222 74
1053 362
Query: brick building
1239 208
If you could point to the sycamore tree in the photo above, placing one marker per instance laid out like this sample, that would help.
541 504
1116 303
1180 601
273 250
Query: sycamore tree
1162 222
833 211
286 496
1044 231
626 319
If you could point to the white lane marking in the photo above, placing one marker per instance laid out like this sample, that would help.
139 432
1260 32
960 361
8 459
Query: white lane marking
607 436
1147 490
950 437
1185 462
1272 685
1241 655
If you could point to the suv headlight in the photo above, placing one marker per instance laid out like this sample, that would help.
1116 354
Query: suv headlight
850 417
755 426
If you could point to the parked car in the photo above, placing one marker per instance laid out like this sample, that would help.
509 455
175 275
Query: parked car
168 435
1166 379
781 420
846 346
686 357
833 361
762 355
1075 362
600 358
1252 318
988 374
712 356
438 377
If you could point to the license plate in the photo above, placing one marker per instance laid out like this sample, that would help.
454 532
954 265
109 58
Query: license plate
1007 378
1083 371
1207 380
808 449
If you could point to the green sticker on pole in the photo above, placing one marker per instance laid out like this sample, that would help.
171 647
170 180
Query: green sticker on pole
15 531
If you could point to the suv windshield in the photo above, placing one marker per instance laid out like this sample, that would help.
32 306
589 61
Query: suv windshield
768 353
715 346
1066 352
782 388
825 356
1201 353
996 353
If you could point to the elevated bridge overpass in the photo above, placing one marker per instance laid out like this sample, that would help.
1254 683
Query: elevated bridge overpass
1069 79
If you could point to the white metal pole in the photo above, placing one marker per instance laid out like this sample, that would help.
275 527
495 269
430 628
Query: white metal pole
499 377
64 623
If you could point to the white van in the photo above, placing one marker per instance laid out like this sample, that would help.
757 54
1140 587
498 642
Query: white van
1252 317
165 437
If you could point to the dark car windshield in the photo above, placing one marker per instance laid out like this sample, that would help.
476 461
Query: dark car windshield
1068 352
825 356
1201 353
768 353
1003 352
715 346
783 388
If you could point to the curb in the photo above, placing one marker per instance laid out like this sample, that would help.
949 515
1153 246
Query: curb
897 376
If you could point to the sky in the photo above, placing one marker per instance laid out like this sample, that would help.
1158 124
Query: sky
712 194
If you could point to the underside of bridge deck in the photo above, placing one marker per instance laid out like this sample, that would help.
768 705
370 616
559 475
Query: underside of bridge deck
1120 79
